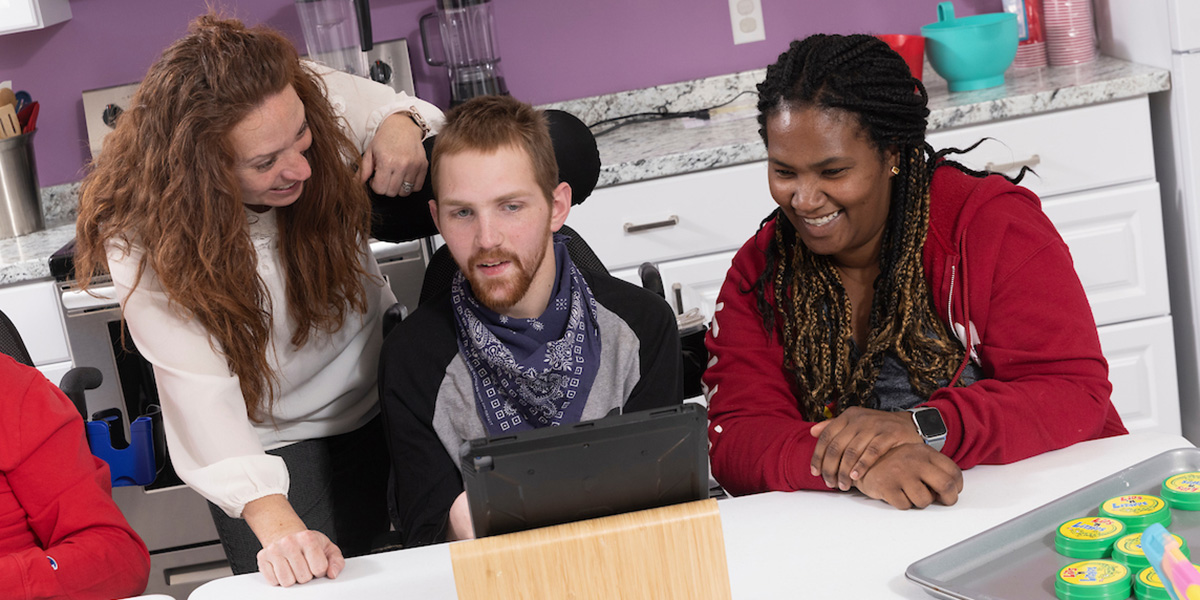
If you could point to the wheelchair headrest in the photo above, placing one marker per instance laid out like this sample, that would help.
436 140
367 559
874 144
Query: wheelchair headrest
576 153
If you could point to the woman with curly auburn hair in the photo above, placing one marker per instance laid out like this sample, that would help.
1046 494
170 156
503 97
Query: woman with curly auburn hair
899 317
227 209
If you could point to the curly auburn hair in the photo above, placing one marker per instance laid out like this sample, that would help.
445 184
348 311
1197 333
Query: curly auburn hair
861 75
165 184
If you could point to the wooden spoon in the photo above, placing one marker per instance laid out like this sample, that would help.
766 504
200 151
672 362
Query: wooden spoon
8 97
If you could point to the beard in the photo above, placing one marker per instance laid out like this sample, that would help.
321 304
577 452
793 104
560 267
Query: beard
501 293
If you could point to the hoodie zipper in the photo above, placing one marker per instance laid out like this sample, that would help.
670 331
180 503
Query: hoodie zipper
950 299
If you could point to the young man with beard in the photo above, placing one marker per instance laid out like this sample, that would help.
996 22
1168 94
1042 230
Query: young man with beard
523 338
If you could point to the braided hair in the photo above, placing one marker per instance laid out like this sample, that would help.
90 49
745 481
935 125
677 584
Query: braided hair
861 75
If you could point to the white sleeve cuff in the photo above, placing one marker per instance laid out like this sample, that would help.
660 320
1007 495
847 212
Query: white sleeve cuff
234 482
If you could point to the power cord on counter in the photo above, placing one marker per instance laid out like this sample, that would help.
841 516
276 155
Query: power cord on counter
643 117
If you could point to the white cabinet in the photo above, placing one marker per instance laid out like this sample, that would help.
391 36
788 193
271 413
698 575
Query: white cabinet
1095 175
689 225
34 309
23 15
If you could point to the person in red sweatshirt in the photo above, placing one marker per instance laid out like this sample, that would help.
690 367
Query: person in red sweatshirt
61 534
899 317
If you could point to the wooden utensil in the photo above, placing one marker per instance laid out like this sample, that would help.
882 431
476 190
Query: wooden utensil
7 97
9 124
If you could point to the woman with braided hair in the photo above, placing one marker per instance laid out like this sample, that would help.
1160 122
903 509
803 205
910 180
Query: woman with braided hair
899 317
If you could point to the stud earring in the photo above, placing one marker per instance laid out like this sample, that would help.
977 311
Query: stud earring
895 170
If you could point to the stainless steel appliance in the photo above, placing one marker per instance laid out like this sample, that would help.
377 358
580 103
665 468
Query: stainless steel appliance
173 520
465 28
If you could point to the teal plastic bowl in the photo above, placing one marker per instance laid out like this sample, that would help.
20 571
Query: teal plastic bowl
971 53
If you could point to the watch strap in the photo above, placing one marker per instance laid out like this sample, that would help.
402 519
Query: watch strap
418 119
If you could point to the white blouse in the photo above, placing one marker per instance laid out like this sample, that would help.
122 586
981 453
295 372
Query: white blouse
325 388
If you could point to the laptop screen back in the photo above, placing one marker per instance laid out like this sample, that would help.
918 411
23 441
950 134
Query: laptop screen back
617 464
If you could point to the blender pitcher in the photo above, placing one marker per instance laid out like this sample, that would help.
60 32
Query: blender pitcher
465 27
337 33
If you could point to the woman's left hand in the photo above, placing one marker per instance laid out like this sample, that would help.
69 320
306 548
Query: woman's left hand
395 159
847 445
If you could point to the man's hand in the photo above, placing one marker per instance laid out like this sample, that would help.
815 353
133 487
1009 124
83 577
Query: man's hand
913 476
461 527
291 552
300 557
395 159
849 444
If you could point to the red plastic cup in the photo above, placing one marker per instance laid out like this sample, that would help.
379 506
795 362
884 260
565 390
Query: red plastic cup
910 47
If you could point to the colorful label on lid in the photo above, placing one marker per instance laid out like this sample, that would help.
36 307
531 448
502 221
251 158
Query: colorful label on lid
1091 528
1093 572
1185 483
1149 577
1131 544
1135 505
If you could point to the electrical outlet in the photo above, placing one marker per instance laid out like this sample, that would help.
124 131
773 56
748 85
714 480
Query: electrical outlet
746 16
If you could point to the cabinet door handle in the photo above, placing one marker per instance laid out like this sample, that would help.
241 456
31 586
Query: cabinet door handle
670 221
1030 162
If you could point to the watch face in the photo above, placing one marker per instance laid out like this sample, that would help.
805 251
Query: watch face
930 422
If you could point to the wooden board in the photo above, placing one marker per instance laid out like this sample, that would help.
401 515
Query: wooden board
664 553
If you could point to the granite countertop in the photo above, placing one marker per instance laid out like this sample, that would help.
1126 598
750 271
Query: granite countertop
661 148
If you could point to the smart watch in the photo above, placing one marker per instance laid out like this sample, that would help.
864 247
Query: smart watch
930 425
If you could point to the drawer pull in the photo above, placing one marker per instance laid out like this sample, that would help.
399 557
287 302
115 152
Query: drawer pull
1030 162
670 221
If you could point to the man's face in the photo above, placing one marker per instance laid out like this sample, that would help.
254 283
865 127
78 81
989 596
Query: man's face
498 224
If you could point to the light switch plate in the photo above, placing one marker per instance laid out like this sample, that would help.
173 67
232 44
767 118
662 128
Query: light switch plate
746 17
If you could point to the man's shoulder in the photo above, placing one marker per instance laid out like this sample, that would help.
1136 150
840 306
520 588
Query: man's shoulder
428 334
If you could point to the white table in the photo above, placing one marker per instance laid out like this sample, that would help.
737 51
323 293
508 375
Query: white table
816 544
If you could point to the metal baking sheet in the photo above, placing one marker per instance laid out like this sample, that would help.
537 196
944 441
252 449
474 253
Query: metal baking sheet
1016 560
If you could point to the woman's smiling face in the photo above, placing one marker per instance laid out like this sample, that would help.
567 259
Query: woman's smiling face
830 181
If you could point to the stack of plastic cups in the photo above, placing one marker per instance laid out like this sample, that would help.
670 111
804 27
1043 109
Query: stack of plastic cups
1070 35
1031 50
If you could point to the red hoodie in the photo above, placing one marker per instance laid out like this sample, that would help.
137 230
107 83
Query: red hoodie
1031 331
61 534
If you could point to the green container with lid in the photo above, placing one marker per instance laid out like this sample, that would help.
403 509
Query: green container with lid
1147 586
1128 551
1137 511
1093 580
1088 537
1182 491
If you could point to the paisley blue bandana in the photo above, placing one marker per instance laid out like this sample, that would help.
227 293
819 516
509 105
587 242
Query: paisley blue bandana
531 373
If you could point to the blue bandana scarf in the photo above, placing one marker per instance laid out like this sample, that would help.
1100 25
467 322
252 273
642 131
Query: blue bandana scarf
531 373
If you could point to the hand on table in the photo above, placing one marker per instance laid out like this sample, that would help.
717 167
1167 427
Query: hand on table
299 557
850 443
913 476
395 159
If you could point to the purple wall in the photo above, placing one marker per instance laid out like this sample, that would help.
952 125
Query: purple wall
551 49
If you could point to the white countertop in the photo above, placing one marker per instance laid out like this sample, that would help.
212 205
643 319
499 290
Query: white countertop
798 544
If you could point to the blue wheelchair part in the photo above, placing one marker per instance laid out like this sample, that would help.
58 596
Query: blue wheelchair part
132 462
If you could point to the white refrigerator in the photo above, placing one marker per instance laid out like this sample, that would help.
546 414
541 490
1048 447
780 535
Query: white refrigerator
1166 34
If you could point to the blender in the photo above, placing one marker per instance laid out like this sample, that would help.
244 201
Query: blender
337 32
467 38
